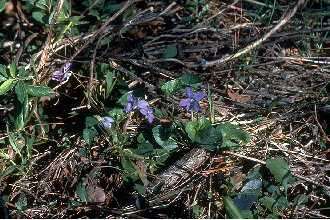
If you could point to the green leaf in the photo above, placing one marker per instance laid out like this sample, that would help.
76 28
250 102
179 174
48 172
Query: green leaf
9 170
130 171
190 79
300 200
21 203
170 51
90 121
202 132
269 203
3 71
282 202
245 200
275 204
231 208
29 144
2 78
272 189
272 216
64 14
39 91
94 13
23 73
117 114
111 8
12 70
279 169
103 67
20 91
163 137
140 189
160 156
171 86
232 135
197 211
123 99
77 20
145 148
2 5
23 111
42 4
109 78
89 134
82 192
15 143
7 85
247 214
40 16
254 173
127 165
194 127
182 82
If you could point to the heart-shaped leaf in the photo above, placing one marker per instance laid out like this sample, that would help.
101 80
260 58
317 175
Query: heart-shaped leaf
232 135
202 132
180 83
163 137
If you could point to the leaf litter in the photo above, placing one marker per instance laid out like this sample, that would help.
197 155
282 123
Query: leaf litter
277 98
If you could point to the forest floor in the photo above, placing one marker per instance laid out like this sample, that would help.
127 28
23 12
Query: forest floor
92 125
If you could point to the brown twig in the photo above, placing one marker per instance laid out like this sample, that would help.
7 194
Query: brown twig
220 12
246 157
91 76
45 52
90 39
103 28
250 47
320 126
21 49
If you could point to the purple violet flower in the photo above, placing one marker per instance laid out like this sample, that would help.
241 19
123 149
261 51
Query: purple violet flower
191 103
106 122
62 74
142 105
145 110
132 103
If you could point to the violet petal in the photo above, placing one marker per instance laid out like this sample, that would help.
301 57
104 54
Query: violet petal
107 122
184 103
189 92
195 106
199 96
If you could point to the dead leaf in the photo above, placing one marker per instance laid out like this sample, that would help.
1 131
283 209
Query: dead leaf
142 171
223 111
11 153
9 8
278 133
237 180
95 194
235 96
